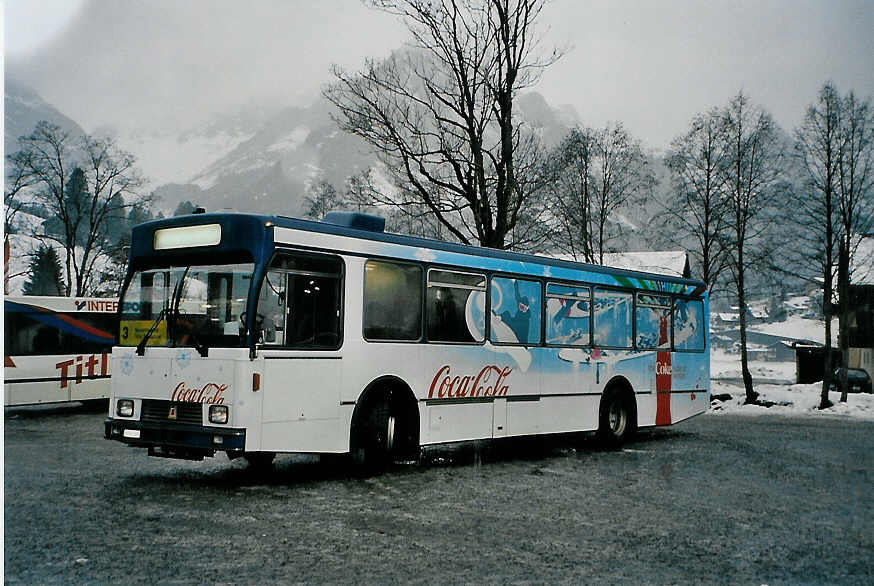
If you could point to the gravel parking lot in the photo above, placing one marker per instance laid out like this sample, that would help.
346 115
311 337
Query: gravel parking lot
718 499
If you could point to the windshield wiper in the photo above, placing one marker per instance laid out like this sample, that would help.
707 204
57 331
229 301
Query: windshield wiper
201 348
171 313
175 301
141 347
173 323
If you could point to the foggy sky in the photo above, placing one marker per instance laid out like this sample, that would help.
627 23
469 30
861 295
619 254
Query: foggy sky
649 64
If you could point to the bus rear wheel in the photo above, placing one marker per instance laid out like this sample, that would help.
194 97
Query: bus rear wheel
616 420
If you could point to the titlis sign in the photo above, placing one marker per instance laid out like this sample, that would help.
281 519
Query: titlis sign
210 393
491 381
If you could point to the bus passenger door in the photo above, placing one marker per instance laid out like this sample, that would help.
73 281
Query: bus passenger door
301 335
515 332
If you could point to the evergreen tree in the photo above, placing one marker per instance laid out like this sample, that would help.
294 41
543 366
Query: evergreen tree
321 199
184 208
45 274
69 226
86 186
77 202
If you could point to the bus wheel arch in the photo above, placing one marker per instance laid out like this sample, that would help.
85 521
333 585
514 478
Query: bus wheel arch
385 423
617 412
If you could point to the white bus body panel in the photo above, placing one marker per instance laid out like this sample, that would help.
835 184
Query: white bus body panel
43 376
53 379
181 374
301 401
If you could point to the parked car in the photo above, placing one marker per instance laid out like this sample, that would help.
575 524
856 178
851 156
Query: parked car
858 381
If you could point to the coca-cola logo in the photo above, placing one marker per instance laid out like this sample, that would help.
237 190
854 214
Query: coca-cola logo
211 393
663 368
491 381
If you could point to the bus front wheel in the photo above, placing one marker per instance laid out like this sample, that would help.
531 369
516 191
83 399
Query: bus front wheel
375 438
259 460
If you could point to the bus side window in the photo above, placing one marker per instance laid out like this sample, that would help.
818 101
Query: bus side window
21 334
653 321
515 311
30 334
612 318
568 315
455 306
89 332
392 301
46 341
688 324
301 301
272 306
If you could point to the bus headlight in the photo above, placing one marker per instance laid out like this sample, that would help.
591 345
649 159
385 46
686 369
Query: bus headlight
124 408
218 413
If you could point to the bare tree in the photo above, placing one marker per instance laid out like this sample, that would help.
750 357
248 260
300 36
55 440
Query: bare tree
360 192
572 191
623 177
322 197
754 156
696 210
363 194
17 181
83 185
595 175
833 209
856 171
855 187
441 114
815 210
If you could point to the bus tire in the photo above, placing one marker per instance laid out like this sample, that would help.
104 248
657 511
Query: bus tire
617 419
375 439
259 460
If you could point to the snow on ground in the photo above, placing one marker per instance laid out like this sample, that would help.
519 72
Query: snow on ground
772 380
799 328
725 365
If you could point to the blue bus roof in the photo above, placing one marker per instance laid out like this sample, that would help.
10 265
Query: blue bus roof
245 239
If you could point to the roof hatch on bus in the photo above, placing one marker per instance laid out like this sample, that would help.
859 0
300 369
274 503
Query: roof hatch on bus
357 220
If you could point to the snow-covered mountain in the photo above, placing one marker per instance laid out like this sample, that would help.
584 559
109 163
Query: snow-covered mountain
271 171
296 147
261 158
23 108
173 155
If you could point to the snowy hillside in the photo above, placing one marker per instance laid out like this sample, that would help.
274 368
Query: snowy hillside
22 246
22 109
271 170
172 157
798 328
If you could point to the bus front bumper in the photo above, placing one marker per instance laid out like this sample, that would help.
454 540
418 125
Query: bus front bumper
175 440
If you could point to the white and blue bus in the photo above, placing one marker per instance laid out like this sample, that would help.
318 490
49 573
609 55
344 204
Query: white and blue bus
256 335
56 349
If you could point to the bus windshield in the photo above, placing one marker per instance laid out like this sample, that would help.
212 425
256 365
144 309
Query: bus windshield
201 306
